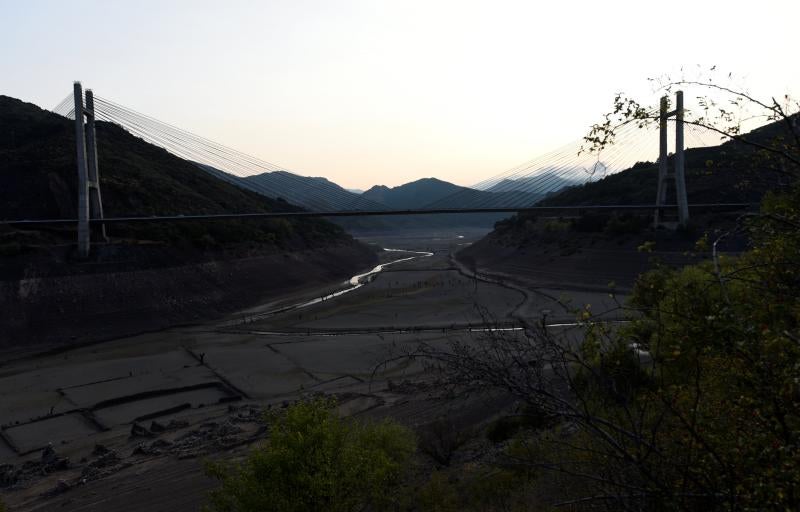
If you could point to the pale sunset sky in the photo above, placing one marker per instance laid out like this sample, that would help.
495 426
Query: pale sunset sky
386 92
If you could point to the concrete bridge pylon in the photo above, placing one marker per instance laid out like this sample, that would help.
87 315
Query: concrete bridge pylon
678 171
90 202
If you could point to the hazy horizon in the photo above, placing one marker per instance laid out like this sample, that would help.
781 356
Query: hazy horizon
365 93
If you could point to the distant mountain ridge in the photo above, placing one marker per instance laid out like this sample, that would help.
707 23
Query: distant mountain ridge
321 194
434 193
312 193
416 194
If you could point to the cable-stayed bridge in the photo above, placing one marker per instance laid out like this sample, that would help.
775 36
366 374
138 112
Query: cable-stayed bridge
513 190
519 187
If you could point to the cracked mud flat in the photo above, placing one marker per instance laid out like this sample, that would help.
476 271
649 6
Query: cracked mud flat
124 425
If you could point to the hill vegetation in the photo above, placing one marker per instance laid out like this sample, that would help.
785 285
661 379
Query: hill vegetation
37 172
315 460
732 172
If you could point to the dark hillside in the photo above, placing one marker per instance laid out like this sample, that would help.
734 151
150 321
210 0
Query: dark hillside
38 172
597 248
38 177
733 172
149 275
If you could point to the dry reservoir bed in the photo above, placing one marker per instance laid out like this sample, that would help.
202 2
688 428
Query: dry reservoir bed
182 393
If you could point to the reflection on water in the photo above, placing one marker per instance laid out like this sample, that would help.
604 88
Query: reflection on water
362 279
355 283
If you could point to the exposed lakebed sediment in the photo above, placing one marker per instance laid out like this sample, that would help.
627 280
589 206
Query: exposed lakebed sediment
41 310
166 397
352 284
159 400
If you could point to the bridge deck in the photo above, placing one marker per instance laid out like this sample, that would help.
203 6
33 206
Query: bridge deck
546 210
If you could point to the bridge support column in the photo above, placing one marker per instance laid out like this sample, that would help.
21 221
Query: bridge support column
678 171
680 175
84 235
95 199
661 192
90 202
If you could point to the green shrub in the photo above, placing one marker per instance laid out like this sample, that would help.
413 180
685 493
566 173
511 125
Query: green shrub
719 397
555 226
314 460
438 495
625 224
477 489
498 489
590 223
441 438
506 427
614 373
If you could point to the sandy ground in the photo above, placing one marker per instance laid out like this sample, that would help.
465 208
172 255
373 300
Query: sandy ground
136 416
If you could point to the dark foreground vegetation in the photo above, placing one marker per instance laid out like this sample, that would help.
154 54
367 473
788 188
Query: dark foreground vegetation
314 460
693 404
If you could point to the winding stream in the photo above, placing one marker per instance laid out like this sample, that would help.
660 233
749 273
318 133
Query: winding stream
362 279
354 283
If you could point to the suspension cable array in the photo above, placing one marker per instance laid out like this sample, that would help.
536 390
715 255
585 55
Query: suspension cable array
519 187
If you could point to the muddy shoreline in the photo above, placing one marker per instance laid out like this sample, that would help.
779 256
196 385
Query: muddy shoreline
52 312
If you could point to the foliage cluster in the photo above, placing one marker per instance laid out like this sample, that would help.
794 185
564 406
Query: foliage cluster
441 438
611 224
692 405
478 489
725 341
528 419
315 460
695 403
704 411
